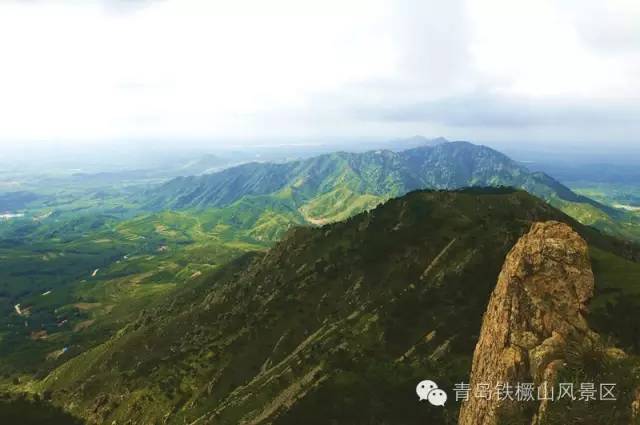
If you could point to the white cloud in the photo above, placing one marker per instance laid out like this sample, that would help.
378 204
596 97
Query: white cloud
534 48
249 69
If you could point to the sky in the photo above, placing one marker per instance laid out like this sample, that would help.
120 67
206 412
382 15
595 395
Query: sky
212 72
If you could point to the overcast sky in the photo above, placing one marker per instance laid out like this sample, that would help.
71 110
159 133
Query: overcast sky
255 71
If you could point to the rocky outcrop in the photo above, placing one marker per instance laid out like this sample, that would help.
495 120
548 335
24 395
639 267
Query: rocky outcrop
535 309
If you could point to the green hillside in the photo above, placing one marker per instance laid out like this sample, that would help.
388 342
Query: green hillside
332 187
68 284
332 325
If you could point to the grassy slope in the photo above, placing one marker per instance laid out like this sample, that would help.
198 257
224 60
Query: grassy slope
618 299
353 313
624 197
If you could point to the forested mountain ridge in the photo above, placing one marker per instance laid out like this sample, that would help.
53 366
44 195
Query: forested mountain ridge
335 186
354 313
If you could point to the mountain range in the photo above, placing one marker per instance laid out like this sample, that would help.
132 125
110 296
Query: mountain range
335 186
312 291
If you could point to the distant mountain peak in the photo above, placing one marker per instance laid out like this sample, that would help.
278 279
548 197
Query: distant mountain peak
336 185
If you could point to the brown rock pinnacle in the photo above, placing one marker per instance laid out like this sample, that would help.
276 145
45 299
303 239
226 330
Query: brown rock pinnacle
538 303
